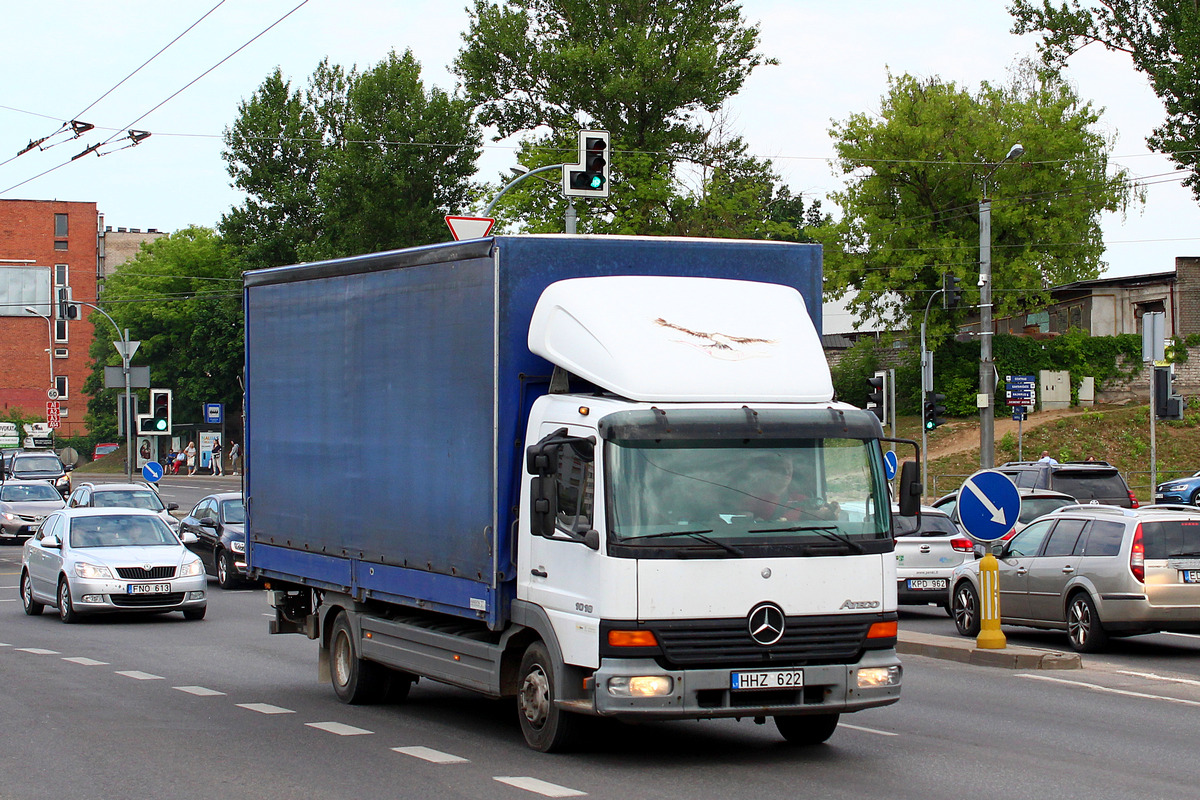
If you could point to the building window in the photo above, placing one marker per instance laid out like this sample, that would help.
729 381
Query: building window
60 330
60 383
60 245
60 226
60 274
1041 319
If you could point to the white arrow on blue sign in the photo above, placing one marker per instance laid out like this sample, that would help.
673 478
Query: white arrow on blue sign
890 464
988 505
152 471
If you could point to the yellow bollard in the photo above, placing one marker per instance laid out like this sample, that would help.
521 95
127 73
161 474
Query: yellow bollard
990 637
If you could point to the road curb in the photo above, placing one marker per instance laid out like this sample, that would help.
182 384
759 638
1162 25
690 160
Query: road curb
963 650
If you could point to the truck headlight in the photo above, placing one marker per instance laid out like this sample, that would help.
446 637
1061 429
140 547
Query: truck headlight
874 677
641 686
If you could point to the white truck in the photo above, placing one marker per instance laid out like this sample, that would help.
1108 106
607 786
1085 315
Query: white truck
602 475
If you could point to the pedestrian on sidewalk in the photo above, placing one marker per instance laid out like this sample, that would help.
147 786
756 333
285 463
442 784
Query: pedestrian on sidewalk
216 458
190 453
235 453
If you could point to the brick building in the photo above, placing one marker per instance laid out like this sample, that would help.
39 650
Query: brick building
45 245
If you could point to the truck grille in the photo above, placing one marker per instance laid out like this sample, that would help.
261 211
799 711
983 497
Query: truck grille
717 642
139 574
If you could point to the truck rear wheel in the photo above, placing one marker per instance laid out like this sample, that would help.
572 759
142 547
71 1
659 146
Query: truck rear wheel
355 680
546 727
807 729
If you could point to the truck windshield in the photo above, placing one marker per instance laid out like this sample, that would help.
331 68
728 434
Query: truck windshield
804 496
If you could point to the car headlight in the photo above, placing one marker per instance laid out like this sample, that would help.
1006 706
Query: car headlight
9 517
238 547
191 568
85 570
1175 487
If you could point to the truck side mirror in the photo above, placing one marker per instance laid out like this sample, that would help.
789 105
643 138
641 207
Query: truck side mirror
910 489
543 505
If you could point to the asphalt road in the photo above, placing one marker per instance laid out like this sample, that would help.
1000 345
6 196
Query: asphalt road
157 707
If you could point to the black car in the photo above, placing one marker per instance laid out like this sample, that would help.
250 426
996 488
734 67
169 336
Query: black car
1086 481
219 522
39 465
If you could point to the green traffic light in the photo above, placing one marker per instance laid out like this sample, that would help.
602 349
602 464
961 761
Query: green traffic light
930 424
596 182
160 424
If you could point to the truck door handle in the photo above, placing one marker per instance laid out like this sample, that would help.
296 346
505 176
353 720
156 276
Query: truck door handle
539 573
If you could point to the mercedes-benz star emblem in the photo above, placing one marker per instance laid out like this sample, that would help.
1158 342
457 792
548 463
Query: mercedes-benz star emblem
765 623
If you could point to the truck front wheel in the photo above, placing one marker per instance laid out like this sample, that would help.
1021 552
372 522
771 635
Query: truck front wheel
546 727
355 680
807 729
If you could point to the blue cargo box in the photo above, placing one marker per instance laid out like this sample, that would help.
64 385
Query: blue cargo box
386 399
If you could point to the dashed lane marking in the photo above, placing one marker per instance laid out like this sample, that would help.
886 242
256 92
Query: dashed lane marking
139 676
1108 689
8 599
37 651
87 662
199 691
1154 677
429 754
541 787
866 730
338 728
265 708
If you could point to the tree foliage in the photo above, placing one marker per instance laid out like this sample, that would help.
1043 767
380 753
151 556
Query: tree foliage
180 296
656 75
357 162
917 171
1163 39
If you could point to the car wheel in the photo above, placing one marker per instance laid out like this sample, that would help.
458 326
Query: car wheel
1195 498
66 611
1084 629
546 727
808 729
355 680
32 607
194 613
964 607
226 574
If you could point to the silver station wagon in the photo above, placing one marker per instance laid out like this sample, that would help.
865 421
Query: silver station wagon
1094 571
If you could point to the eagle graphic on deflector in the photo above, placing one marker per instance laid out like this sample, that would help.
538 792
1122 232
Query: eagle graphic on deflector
719 345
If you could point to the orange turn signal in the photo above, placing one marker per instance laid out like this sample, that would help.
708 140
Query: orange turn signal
632 639
883 630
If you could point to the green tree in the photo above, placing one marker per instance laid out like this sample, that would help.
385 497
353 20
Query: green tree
655 74
1163 39
180 296
915 176
357 162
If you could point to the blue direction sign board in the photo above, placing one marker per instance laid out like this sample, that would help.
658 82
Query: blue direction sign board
152 471
890 464
214 413
988 505
1020 390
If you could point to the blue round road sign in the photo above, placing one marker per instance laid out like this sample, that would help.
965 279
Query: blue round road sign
152 471
988 505
890 464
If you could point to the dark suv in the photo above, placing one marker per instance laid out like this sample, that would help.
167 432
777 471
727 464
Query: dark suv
43 465
1086 481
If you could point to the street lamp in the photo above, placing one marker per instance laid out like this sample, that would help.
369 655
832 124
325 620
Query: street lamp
987 368
522 172
50 334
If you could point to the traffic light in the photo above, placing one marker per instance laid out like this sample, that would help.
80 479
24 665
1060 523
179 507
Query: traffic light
588 178
65 308
1167 405
158 421
877 395
953 291
932 410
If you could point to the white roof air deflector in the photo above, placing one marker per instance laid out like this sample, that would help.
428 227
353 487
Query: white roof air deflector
670 339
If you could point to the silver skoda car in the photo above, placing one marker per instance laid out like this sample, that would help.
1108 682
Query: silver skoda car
104 560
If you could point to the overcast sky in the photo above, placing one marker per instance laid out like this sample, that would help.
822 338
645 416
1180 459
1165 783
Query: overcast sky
59 59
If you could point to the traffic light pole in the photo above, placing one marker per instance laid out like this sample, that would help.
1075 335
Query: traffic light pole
926 387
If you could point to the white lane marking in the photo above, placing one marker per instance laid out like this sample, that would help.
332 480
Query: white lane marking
1152 676
37 651
866 730
265 708
8 599
199 691
339 728
428 754
1109 690
5 644
87 662
139 676
541 787
1184 635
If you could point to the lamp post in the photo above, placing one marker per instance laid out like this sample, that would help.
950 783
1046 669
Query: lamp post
524 172
50 334
987 369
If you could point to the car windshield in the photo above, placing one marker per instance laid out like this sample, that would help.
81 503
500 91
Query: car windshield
120 530
924 525
1034 507
745 493
15 493
37 464
127 498
105 449
234 512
